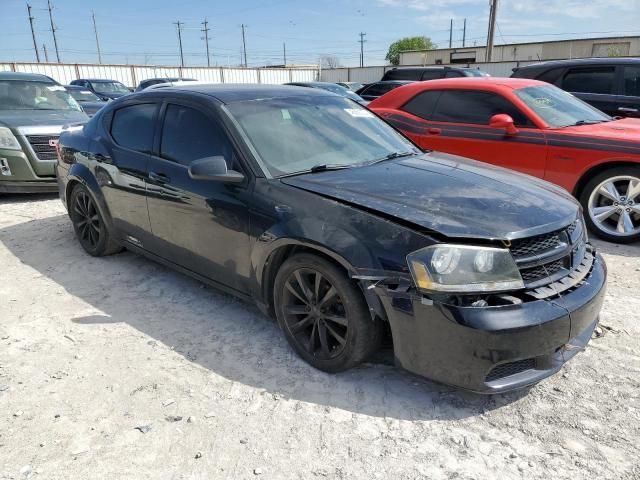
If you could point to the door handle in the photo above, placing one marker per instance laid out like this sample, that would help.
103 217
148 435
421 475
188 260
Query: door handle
434 131
628 110
159 177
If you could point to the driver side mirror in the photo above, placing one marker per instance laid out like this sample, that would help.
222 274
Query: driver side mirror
214 168
503 121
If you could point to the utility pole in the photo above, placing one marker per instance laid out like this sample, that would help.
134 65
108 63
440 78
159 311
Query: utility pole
53 30
46 56
451 34
179 25
33 35
464 32
206 39
244 46
95 30
362 42
492 26
284 53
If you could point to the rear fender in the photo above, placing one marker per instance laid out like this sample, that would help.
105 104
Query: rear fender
79 173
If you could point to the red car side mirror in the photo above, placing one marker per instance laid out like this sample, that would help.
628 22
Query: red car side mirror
502 120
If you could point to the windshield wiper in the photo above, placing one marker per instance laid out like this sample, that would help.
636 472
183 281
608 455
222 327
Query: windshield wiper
323 167
586 122
392 156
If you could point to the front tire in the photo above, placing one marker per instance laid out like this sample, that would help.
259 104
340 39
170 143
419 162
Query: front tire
611 202
323 314
89 225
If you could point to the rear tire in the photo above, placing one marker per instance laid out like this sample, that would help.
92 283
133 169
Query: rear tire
323 314
611 203
91 230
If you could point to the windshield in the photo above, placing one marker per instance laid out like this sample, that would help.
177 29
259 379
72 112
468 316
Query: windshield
109 87
295 134
27 95
559 108
84 95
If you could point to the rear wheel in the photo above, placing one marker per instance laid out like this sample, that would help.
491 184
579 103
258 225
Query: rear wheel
611 201
91 230
323 314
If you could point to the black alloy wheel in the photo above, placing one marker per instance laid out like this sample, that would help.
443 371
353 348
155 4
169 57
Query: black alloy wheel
323 314
91 230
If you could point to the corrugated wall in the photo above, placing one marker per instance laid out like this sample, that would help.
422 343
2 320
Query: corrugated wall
131 75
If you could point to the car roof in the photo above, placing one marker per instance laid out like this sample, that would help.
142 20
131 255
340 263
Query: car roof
397 82
584 61
75 87
98 80
28 77
432 67
230 92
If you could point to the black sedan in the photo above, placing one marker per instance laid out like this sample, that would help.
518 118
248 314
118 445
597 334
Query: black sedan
374 90
332 222
88 100
333 88
105 89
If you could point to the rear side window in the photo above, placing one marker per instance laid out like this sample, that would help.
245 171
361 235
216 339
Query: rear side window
589 80
465 106
432 74
403 74
132 127
453 74
550 76
188 135
423 104
632 81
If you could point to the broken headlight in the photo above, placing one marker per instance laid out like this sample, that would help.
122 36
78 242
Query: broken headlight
464 269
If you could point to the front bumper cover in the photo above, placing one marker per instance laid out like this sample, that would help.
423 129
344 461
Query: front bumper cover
493 349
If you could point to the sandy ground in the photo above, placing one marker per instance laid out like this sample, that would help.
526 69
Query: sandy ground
99 359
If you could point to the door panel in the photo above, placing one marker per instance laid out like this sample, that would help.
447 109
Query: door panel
199 224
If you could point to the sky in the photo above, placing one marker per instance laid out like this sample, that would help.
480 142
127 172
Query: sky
143 31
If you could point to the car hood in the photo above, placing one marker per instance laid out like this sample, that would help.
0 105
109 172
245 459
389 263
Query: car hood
453 196
625 130
92 106
33 118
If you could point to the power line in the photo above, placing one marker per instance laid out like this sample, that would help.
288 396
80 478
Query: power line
179 25
206 39
33 34
53 30
244 46
95 30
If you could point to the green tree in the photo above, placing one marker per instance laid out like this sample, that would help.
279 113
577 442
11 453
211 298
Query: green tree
408 43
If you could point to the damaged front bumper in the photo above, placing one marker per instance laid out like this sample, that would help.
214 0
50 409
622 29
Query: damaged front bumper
493 349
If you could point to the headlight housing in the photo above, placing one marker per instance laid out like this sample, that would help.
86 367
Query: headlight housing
464 269
8 139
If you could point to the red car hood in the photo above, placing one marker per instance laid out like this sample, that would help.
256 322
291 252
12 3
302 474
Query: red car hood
626 129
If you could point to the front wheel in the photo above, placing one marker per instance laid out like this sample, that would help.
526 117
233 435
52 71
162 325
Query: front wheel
323 314
611 201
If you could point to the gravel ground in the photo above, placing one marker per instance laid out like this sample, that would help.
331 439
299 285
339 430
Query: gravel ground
118 368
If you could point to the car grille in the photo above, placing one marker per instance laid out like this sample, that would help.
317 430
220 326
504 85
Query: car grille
511 368
546 258
42 147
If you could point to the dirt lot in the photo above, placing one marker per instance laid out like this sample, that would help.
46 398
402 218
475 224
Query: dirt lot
100 357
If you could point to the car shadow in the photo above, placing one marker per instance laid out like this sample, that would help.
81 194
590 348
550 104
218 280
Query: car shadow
223 334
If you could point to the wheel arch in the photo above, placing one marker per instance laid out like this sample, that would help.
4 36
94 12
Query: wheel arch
80 175
599 168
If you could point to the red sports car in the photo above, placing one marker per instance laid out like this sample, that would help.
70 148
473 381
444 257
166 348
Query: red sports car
535 128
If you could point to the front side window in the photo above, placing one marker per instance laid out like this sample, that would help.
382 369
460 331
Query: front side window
188 135
109 87
632 81
559 108
132 127
294 134
28 95
589 80
466 106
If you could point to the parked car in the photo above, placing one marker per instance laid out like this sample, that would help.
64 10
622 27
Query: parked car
177 83
309 205
88 100
353 86
105 89
609 84
154 81
33 109
418 74
333 88
374 90
535 128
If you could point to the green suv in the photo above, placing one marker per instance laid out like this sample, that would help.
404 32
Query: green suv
33 110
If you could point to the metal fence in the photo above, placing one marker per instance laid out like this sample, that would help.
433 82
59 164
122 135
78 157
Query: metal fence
131 75
373 74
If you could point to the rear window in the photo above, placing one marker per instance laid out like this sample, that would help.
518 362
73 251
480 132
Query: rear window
132 127
379 89
589 80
